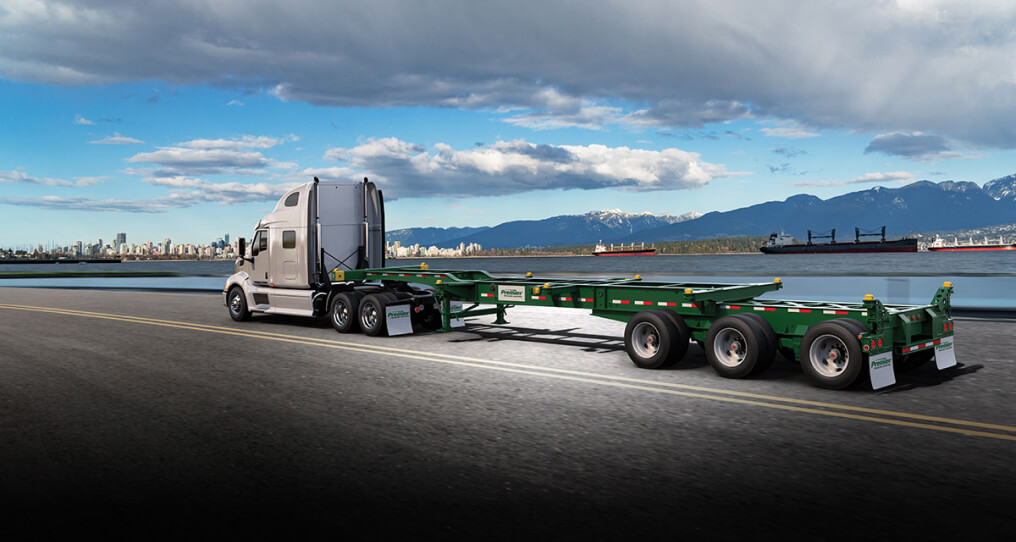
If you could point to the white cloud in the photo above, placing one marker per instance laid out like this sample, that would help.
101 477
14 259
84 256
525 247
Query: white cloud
867 178
789 129
245 142
117 139
18 176
78 119
178 161
508 167
236 103
943 67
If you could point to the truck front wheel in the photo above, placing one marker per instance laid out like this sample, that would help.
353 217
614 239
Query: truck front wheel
237 304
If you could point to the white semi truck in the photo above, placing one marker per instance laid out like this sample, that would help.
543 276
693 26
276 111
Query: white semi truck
315 229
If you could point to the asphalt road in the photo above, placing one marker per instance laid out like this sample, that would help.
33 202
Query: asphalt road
153 414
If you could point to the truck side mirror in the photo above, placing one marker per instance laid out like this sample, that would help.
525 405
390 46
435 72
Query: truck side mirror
242 246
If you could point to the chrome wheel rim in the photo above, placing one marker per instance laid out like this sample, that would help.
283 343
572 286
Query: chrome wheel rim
828 355
369 316
729 347
645 340
235 303
340 313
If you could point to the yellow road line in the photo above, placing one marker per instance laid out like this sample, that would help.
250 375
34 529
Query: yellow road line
564 374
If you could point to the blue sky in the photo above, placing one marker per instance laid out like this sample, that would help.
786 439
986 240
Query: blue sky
188 119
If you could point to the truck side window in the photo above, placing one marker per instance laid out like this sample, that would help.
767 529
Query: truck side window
289 239
254 247
263 240
293 199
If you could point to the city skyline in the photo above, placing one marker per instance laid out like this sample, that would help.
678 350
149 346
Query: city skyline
478 114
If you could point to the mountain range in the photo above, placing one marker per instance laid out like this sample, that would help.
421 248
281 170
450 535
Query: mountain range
922 206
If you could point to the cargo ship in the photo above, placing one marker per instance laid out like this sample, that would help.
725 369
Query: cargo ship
602 250
939 245
782 243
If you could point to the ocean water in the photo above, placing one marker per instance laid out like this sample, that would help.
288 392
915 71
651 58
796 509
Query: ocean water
981 279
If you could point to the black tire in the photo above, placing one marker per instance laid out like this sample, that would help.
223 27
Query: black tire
734 346
854 324
237 304
649 338
371 314
837 360
768 354
681 339
344 314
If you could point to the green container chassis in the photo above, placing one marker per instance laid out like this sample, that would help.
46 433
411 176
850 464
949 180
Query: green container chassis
739 333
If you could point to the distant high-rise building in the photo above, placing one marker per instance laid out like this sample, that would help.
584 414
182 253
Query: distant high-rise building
121 238
226 238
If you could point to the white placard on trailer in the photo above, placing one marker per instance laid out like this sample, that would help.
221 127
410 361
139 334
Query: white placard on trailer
881 370
945 355
456 307
399 320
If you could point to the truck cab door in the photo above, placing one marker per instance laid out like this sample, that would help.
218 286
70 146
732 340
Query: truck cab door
261 265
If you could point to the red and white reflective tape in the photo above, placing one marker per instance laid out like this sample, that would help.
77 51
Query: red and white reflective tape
920 346
566 298
586 299
486 295
689 305
666 304
421 275
835 312
798 310
541 297
734 307
767 309
621 302
643 302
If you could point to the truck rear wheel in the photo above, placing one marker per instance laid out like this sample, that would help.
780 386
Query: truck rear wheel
649 339
734 346
372 313
831 355
238 304
344 312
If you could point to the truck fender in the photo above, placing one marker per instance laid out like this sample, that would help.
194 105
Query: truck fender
242 280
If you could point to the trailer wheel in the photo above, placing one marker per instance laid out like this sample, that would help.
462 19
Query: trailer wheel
649 339
238 305
853 324
682 339
344 312
768 353
372 313
831 355
734 346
